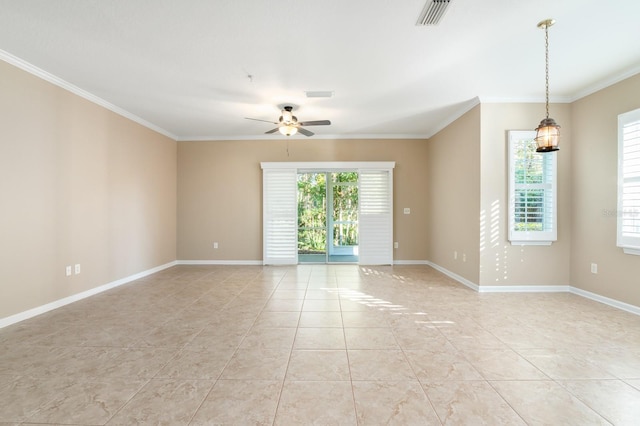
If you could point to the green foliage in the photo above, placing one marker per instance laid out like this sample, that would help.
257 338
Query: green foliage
312 211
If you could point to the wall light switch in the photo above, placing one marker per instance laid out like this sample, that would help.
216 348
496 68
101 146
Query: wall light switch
215 245
594 268
68 270
77 268
407 210
395 245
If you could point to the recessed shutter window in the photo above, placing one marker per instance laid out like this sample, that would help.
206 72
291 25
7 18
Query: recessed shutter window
280 216
376 217
532 191
629 182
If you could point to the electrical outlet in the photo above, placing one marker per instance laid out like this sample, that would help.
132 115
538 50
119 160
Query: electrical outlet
594 268
215 245
407 210
68 270
464 257
395 245
77 268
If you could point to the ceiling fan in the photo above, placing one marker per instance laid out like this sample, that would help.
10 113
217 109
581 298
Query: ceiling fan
289 125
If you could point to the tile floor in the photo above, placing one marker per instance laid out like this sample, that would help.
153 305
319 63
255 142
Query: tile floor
320 344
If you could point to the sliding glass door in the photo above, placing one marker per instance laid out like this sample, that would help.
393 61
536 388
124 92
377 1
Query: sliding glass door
331 212
312 217
328 217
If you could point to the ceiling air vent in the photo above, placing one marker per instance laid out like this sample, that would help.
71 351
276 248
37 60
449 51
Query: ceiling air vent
433 11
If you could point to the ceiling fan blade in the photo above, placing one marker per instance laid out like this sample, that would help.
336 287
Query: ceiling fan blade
305 132
272 130
257 119
316 123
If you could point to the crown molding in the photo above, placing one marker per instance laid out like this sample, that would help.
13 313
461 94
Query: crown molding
57 81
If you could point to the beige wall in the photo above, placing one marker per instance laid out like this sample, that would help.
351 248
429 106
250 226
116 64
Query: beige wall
594 177
220 191
453 182
500 262
78 184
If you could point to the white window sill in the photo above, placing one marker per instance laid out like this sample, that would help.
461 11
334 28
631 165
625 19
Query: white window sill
531 243
633 251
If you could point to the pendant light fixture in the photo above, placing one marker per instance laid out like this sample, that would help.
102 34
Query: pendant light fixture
548 132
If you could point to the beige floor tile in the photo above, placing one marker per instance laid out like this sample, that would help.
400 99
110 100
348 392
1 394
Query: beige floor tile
21 397
502 364
277 319
219 337
441 365
171 336
320 319
364 319
319 403
321 305
623 363
349 305
319 338
284 305
614 400
269 338
410 319
81 362
392 403
30 360
164 401
250 364
470 403
370 338
182 329
420 338
87 401
317 365
196 363
546 402
322 294
236 402
561 364
386 365
285 293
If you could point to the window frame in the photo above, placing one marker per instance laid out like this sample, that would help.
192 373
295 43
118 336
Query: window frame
629 244
550 233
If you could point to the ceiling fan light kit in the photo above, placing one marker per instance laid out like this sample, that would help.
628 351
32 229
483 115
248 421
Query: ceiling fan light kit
288 130
288 124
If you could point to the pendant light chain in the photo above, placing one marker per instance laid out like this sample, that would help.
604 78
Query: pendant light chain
546 69
548 131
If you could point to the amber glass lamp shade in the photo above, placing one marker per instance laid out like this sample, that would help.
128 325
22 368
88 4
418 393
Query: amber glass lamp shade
547 135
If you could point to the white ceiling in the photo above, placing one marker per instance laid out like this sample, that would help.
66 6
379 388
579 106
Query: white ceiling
182 67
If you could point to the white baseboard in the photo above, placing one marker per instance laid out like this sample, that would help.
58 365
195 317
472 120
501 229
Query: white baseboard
79 296
606 300
410 262
524 289
453 275
538 289
220 262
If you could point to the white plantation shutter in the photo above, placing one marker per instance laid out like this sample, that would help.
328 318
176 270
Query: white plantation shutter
280 216
532 191
376 217
629 182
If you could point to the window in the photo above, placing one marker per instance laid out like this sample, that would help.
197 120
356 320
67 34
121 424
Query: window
629 182
532 191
